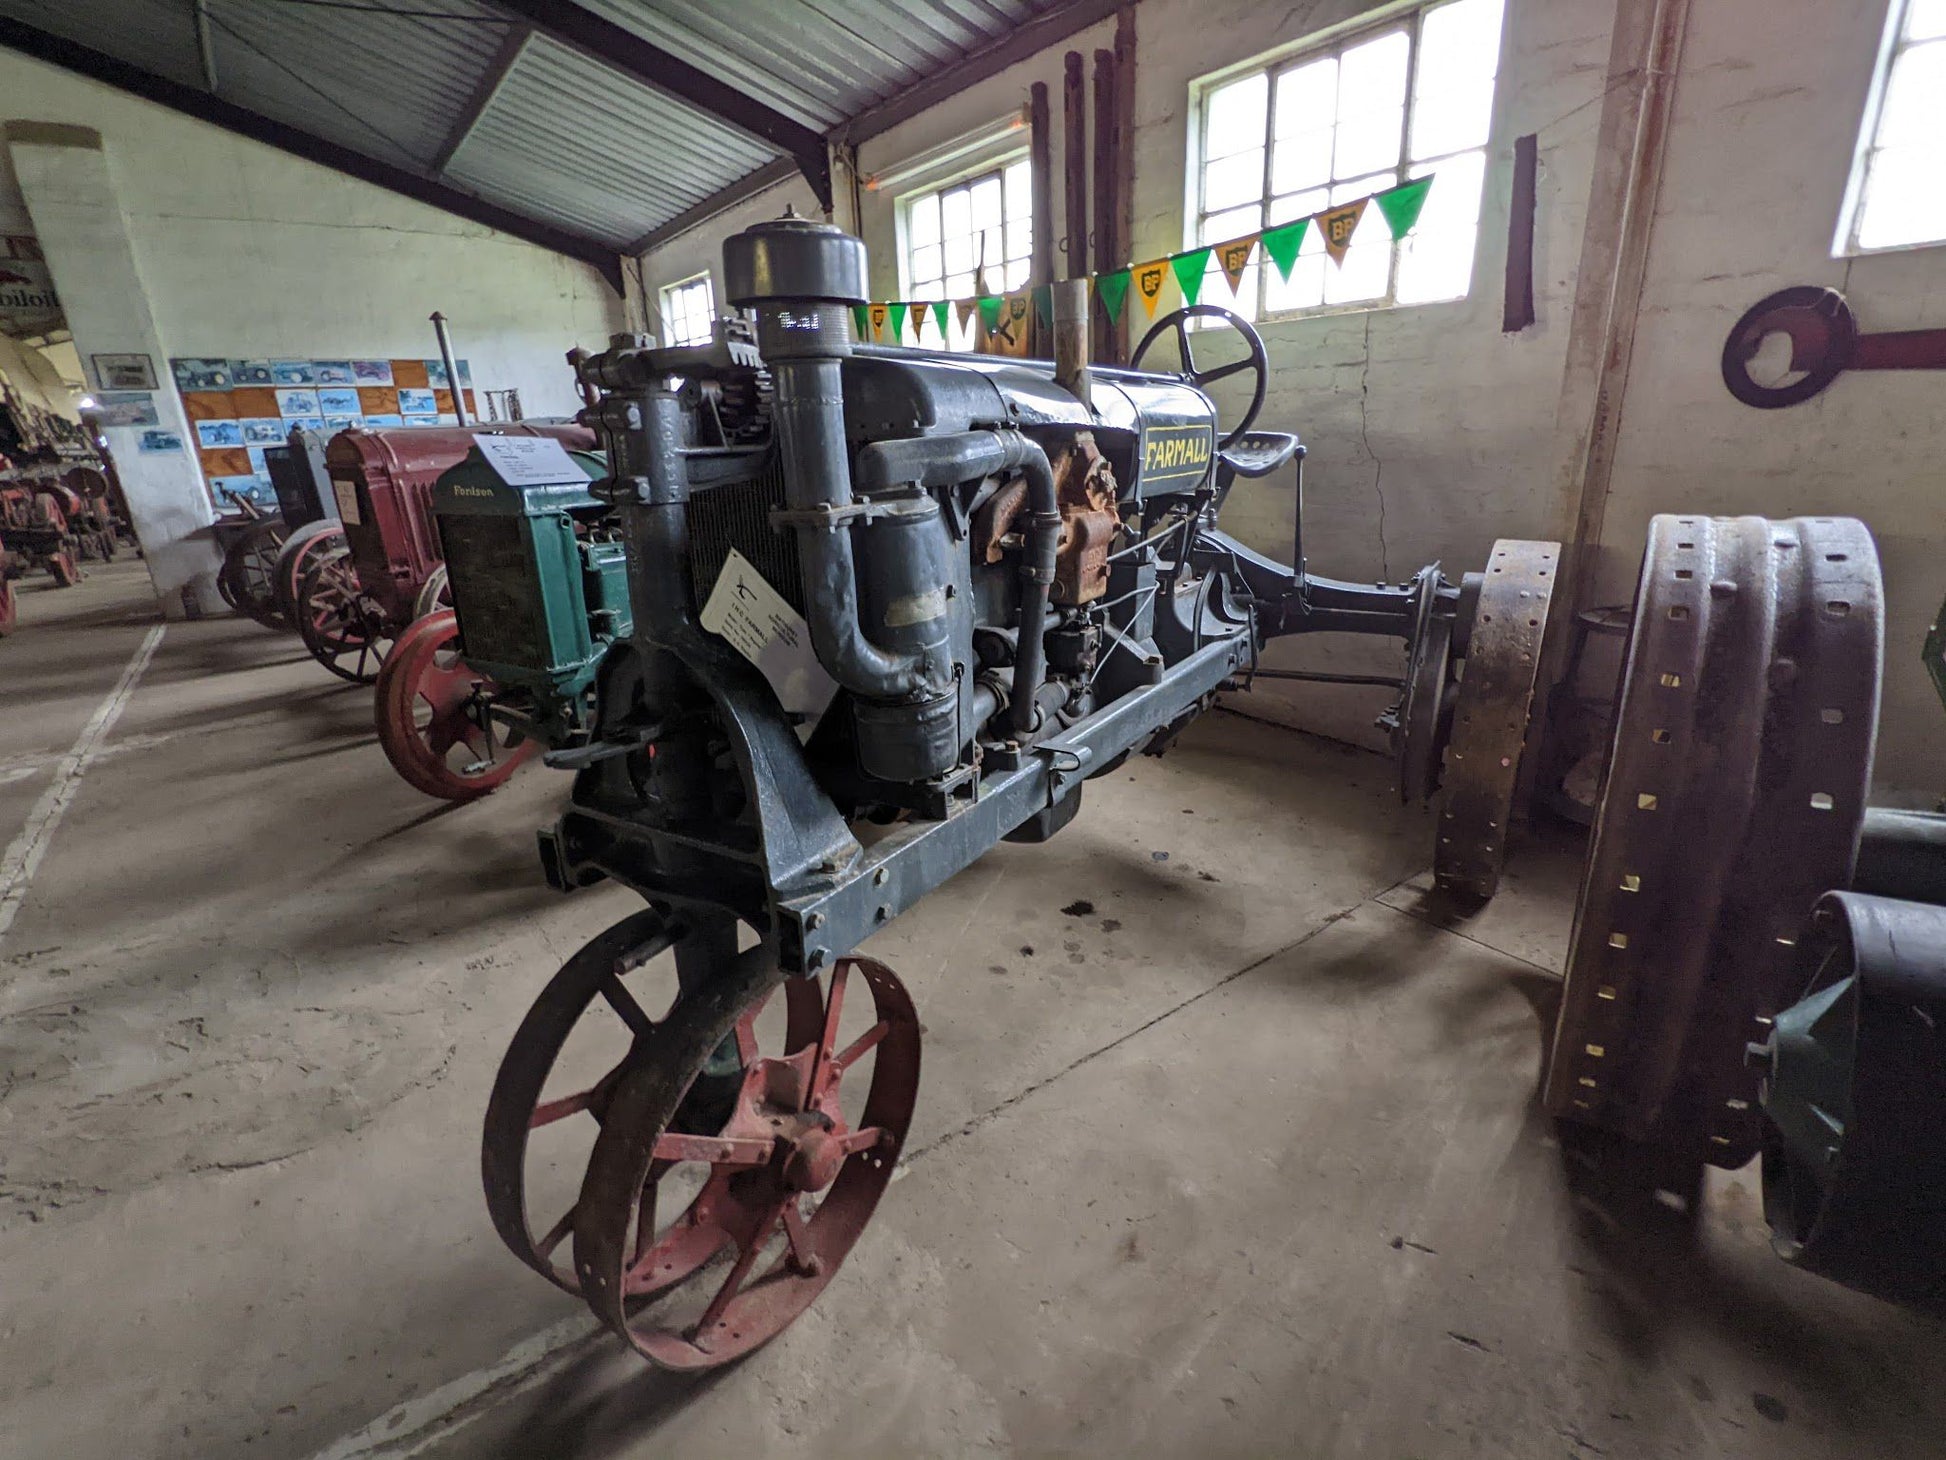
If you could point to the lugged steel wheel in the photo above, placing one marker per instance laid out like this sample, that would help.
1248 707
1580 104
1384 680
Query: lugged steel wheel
430 712
301 552
247 579
343 629
1740 756
434 594
1854 1087
789 1179
594 978
1496 695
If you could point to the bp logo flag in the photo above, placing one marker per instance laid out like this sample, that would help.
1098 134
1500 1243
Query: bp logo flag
879 312
1149 279
1007 331
1233 258
1337 226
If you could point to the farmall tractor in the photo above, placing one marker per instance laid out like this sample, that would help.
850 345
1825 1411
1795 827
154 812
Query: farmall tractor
889 607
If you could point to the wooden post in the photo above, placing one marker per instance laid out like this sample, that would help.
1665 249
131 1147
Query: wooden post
1040 161
1108 244
1124 179
1074 148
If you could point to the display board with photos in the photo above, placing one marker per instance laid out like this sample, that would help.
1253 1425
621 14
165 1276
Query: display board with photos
236 408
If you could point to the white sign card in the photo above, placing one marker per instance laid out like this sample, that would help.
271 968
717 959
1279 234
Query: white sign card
529 461
762 626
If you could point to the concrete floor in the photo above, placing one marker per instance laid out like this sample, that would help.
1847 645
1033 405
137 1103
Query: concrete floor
1243 1162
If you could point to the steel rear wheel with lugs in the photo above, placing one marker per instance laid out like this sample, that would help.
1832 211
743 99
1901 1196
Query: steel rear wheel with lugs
342 628
1740 757
429 710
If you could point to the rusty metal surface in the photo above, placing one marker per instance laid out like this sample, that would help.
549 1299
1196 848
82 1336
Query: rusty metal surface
1085 488
1738 765
786 1144
1496 694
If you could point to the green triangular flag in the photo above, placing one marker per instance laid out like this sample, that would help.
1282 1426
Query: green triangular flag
941 309
990 312
1189 266
898 321
1401 205
1113 289
1044 304
1282 244
863 320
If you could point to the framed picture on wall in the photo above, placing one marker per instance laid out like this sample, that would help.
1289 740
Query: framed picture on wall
124 372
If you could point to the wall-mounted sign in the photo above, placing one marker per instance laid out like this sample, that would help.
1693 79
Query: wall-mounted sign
124 372
28 305
125 408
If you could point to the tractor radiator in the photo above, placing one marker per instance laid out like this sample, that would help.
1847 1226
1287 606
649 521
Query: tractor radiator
737 515
495 591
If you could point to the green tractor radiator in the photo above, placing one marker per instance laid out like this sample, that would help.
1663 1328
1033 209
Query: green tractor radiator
539 584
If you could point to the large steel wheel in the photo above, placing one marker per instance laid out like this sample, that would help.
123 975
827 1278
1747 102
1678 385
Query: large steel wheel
302 551
772 1186
343 629
1489 722
432 720
247 579
1740 756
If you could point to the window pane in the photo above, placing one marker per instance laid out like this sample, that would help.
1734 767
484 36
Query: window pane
1452 118
1904 202
1371 76
1368 141
925 265
1436 259
1020 179
1020 237
959 286
1233 224
1233 181
1302 161
1016 275
922 220
958 253
1307 97
1367 269
1460 41
1233 116
956 214
1305 289
1926 20
1915 101
985 196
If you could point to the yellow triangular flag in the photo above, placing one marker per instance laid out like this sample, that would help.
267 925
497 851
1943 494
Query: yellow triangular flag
1336 227
1149 280
965 307
879 312
1233 257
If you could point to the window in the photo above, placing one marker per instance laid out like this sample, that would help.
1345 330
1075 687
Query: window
974 236
1896 199
688 312
1333 124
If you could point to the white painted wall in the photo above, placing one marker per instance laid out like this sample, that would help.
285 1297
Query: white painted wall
248 251
1431 433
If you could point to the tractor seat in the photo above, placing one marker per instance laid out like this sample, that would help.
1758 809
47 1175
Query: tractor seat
1259 453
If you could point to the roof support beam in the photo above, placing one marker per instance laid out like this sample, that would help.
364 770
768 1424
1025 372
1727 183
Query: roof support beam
720 201
511 46
192 102
640 60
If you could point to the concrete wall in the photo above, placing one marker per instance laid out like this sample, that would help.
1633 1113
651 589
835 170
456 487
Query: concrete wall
1431 433
248 251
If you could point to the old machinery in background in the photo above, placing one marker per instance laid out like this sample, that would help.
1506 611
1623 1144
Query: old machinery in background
539 591
889 608
1758 964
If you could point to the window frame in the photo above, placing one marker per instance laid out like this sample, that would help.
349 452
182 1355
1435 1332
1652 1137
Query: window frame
668 293
1851 213
1407 16
994 163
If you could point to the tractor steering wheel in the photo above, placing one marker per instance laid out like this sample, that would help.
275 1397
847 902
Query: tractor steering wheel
1257 360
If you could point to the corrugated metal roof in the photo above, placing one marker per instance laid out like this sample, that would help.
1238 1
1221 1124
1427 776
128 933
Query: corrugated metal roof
562 139
609 161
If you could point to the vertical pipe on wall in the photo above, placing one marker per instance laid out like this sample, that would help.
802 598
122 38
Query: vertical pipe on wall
1074 159
452 366
1040 271
1124 151
1108 245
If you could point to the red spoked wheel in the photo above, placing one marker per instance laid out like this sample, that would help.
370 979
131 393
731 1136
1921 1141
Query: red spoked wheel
343 629
771 1162
301 552
9 605
65 566
430 711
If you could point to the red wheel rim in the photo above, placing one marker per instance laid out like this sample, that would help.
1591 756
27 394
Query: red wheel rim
301 552
8 607
788 1144
343 630
429 719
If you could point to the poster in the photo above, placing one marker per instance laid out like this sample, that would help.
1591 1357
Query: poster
125 408
211 434
418 403
297 403
196 374
250 372
341 402
292 372
332 372
374 372
28 304
264 430
124 372
154 442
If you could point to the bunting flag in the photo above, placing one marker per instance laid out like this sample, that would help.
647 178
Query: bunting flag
1005 320
1401 206
1113 289
1337 227
1233 257
1189 268
1282 243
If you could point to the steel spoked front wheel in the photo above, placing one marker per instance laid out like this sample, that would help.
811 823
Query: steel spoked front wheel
431 714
